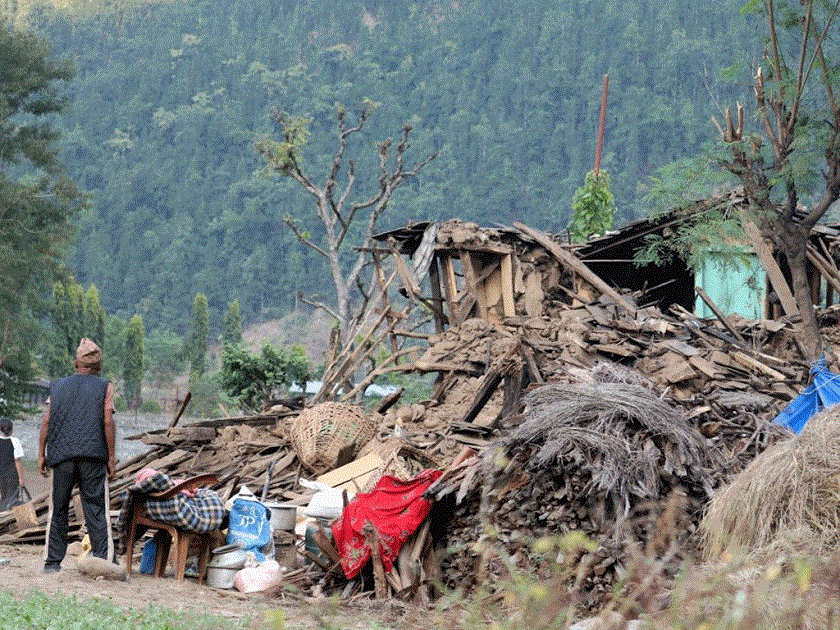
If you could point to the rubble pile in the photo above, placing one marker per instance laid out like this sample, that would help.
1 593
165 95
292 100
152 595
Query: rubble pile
558 404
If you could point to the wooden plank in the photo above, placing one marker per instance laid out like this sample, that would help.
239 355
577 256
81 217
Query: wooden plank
508 301
470 272
575 264
450 286
533 294
616 349
599 314
681 347
379 581
677 372
718 313
721 358
707 367
747 361
407 276
437 297
764 251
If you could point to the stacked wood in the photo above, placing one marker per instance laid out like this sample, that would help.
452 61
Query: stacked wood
608 459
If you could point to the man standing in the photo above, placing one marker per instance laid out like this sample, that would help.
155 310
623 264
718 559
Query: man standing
76 444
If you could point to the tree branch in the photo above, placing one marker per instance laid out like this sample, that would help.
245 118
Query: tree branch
317 304
303 238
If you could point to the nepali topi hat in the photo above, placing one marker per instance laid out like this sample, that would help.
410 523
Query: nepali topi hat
88 353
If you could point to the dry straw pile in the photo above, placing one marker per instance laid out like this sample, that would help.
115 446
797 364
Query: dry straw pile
789 496
622 434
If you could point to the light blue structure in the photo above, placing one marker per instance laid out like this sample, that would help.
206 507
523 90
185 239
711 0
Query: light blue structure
734 282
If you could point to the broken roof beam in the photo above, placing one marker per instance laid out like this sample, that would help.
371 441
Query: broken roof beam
576 265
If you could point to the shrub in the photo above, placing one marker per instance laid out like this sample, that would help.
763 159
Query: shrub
150 406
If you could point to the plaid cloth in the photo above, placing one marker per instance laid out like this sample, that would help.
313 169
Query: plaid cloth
200 510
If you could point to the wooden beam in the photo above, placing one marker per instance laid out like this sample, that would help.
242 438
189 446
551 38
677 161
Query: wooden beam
575 264
764 251
710 303
473 286
508 301
437 297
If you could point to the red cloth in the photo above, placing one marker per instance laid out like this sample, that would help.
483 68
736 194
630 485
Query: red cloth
394 507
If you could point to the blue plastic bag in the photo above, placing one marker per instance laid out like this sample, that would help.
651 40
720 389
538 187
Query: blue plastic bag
250 527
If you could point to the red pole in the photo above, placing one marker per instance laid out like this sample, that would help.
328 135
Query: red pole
601 123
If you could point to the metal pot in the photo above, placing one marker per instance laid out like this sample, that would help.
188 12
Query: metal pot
221 578
224 564
283 516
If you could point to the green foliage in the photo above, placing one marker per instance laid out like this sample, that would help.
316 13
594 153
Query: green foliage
684 181
134 365
208 400
114 358
232 328
119 404
282 156
38 611
199 336
75 313
165 355
94 317
149 406
593 206
36 201
252 380
164 138
15 373
692 237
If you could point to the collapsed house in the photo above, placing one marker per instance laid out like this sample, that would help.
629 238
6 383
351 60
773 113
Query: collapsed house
562 400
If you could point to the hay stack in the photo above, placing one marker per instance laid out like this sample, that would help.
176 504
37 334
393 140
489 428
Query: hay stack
791 492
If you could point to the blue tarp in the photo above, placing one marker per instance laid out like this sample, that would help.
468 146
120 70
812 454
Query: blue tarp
823 391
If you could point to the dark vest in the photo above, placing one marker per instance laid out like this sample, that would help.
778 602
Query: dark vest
77 417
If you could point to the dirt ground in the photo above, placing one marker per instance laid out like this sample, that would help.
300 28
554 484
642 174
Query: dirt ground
20 571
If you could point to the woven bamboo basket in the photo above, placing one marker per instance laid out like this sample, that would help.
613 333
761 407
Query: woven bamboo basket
320 432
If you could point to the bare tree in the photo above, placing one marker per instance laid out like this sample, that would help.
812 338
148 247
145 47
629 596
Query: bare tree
338 209
796 142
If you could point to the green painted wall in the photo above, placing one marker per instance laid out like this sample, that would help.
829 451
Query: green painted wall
735 283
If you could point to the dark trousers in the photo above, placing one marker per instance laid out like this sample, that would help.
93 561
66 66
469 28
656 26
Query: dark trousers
90 476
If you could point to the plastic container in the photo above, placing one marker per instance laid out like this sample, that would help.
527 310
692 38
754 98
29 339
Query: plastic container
147 559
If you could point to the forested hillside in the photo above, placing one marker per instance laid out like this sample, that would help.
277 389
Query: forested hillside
168 99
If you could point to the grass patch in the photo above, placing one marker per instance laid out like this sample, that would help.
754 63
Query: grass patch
51 612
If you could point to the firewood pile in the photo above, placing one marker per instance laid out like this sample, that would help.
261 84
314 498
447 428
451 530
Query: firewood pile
605 458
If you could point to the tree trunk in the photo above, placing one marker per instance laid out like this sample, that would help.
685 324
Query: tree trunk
794 242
